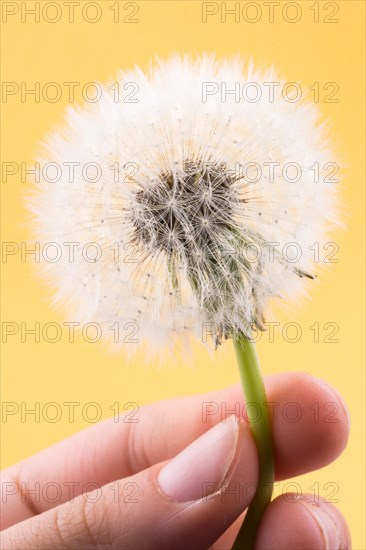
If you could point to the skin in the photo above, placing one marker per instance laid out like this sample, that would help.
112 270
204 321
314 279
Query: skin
112 454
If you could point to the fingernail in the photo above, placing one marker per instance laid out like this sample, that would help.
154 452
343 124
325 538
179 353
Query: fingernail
339 399
328 525
201 468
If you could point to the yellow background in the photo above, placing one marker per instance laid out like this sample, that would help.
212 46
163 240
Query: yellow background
304 51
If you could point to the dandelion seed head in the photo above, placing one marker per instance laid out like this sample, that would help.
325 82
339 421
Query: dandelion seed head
200 240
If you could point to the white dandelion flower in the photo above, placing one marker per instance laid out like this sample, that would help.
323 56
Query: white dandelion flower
196 202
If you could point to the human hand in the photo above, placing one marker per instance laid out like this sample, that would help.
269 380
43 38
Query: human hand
144 498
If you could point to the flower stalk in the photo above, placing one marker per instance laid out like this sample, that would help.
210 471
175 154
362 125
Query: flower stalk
259 419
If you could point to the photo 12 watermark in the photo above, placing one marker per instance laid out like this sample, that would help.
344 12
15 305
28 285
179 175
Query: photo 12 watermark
290 412
56 492
70 92
291 332
254 92
270 12
53 412
291 491
29 11
24 332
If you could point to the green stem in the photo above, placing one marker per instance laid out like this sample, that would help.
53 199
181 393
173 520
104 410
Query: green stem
259 420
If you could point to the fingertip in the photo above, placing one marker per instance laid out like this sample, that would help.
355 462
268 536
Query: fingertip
292 523
333 418
312 427
330 521
335 393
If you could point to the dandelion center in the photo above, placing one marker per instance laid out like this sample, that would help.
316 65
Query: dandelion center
185 209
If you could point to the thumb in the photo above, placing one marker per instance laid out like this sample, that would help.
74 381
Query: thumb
188 502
